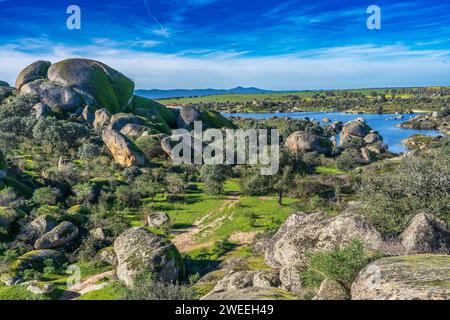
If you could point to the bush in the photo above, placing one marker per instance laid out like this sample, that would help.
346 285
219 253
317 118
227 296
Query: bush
341 265
88 249
417 184
45 195
146 288
88 151
348 160
59 135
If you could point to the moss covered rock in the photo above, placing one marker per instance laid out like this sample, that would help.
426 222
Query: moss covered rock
140 251
303 234
30 260
59 236
417 277
99 84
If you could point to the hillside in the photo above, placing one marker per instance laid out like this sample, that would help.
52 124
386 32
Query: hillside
93 207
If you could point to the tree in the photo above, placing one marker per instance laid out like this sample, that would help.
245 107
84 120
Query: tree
253 183
175 184
59 135
214 177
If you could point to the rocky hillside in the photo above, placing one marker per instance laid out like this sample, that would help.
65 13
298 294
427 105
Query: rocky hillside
92 207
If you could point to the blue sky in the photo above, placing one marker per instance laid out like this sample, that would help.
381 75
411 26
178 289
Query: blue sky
289 44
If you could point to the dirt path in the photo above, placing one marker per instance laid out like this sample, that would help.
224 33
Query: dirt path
185 241
88 285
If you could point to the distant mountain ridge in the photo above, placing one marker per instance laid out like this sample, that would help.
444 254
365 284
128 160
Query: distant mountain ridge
185 93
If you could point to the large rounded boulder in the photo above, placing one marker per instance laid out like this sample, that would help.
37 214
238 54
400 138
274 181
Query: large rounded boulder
36 70
426 234
141 251
302 234
357 128
417 277
125 153
58 97
302 142
99 84
59 236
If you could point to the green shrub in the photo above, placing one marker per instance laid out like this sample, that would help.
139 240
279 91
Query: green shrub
146 288
341 265
45 195
418 184
348 160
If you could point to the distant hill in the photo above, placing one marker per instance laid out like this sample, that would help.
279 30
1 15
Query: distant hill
186 93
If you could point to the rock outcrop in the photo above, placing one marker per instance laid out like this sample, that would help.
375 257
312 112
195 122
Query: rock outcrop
107 255
88 114
125 153
56 96
439 120
357 128
141 251
290 279
331 290
41 110
36 70
187 116
251 293
59 236
249 278
158 220
417 277
426 234
102 118
100 85
37 228
302 142
30 260
133 131
120 120
304 233
39 287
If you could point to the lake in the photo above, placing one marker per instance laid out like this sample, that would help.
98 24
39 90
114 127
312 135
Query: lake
392 135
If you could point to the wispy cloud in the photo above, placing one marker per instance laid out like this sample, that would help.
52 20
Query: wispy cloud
319 69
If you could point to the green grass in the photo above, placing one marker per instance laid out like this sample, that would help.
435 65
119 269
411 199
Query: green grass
226 215
111 292
19 293
330 170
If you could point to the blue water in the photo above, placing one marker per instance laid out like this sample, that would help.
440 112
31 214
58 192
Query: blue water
391 134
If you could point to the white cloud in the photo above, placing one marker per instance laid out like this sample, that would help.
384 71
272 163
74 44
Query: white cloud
344 67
